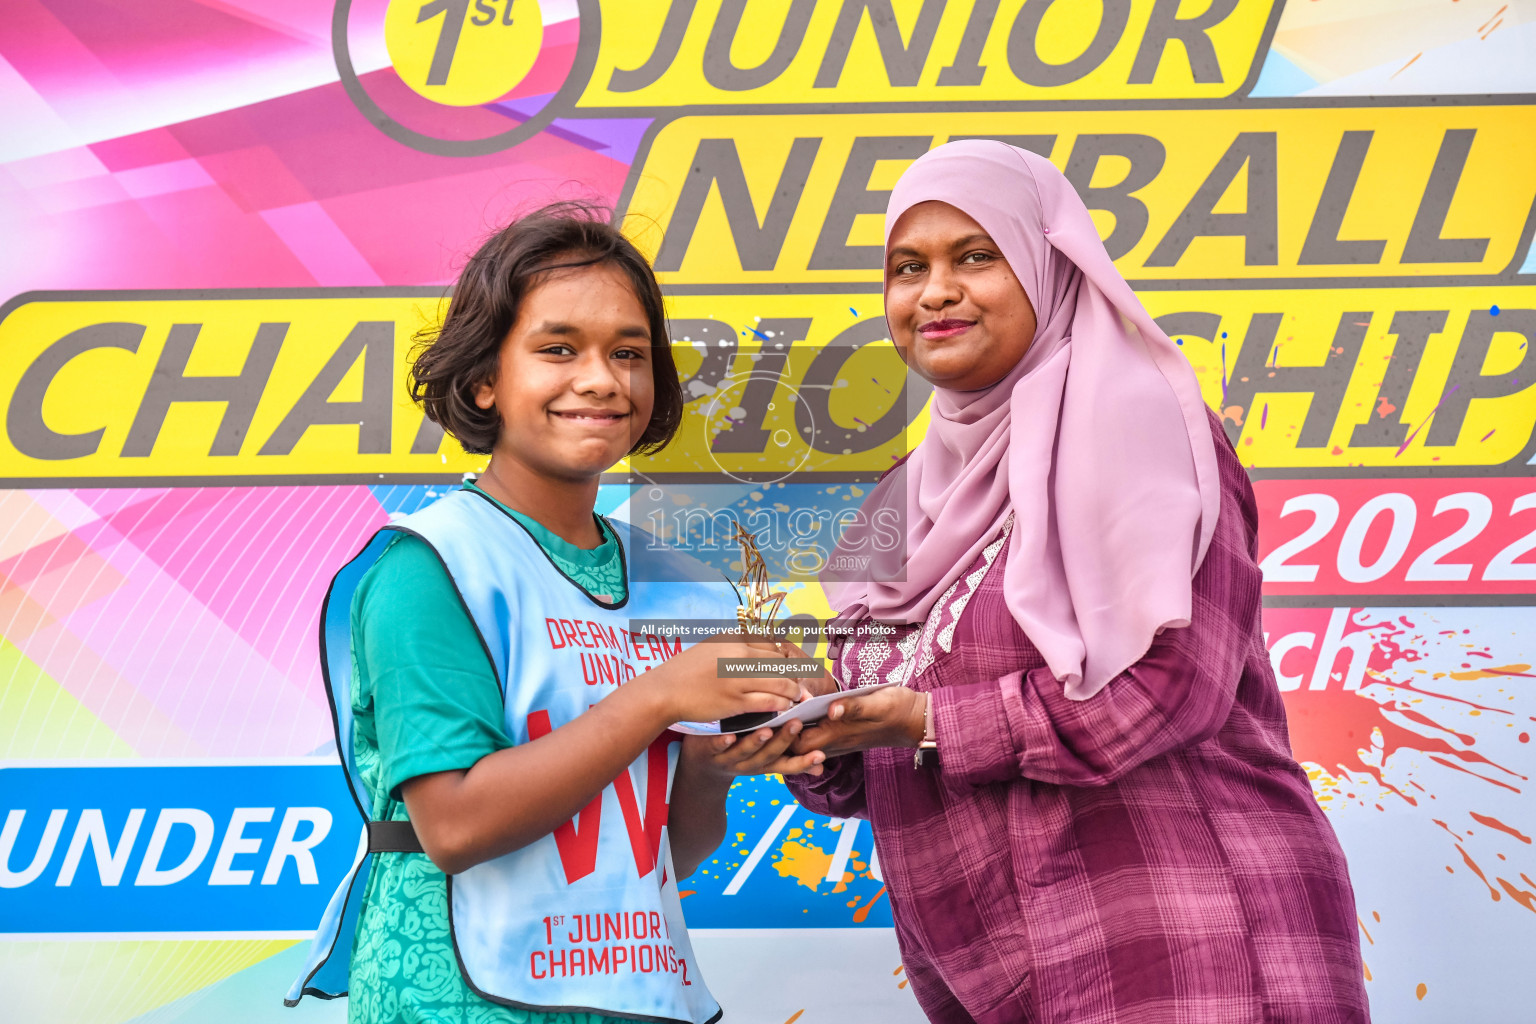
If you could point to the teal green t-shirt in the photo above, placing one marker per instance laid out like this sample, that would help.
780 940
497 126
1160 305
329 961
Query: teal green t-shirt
426 699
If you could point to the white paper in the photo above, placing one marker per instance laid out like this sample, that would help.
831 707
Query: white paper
812 710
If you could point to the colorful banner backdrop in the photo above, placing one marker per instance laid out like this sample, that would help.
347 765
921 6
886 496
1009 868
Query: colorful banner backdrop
228 219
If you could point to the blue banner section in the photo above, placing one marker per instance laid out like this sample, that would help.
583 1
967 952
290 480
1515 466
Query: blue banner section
227 848
259 848
784 867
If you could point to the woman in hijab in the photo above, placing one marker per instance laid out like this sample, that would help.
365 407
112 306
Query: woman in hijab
1104 823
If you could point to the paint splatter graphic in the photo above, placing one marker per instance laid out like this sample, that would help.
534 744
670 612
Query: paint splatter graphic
1415 728
1410 706
788 867
799 860
1353 720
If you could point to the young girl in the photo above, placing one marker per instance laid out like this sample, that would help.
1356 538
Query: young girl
523 852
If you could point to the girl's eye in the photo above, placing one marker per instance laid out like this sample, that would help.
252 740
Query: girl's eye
629 353
558 350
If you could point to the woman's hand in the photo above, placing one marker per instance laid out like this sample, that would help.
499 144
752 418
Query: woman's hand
761 752
892 717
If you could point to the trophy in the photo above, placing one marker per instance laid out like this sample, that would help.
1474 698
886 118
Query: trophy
759 607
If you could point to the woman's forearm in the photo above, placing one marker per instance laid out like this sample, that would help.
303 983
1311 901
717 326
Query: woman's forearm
837 792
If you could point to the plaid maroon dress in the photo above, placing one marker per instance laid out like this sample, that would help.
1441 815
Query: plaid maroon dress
1151 855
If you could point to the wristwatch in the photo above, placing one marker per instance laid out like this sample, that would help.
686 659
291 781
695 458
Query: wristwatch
930 740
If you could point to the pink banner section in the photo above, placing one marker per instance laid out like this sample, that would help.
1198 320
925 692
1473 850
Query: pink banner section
183 619
277 190
1440 535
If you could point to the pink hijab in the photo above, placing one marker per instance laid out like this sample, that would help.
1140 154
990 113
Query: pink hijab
1097 441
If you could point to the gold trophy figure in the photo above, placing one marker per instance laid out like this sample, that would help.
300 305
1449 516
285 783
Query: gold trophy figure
759 607
759 604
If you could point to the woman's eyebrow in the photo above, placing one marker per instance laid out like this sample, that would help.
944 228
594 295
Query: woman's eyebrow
959 243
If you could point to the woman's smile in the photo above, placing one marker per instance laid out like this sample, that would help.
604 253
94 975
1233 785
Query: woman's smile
937 330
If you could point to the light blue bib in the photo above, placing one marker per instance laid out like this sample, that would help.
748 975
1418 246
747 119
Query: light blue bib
587 918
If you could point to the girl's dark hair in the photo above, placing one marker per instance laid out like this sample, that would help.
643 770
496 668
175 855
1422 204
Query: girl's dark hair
451 362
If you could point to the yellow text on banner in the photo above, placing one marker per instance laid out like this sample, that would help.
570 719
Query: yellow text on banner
1304 378
778 387
883 51
1374 378
1321 191
295 387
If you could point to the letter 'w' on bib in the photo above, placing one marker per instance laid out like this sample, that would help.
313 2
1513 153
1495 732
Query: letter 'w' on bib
577 839
511 917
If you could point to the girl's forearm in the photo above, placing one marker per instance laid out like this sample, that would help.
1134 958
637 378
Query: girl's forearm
516 796
696 818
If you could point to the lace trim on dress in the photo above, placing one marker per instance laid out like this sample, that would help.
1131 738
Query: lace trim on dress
901 656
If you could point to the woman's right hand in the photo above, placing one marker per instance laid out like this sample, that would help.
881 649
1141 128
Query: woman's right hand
692 690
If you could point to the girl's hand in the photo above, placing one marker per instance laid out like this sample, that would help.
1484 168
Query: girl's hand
692 690
816 685
892 717
705 770
761 752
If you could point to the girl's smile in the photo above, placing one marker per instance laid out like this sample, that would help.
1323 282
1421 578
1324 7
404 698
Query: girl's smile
574 390
592 417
